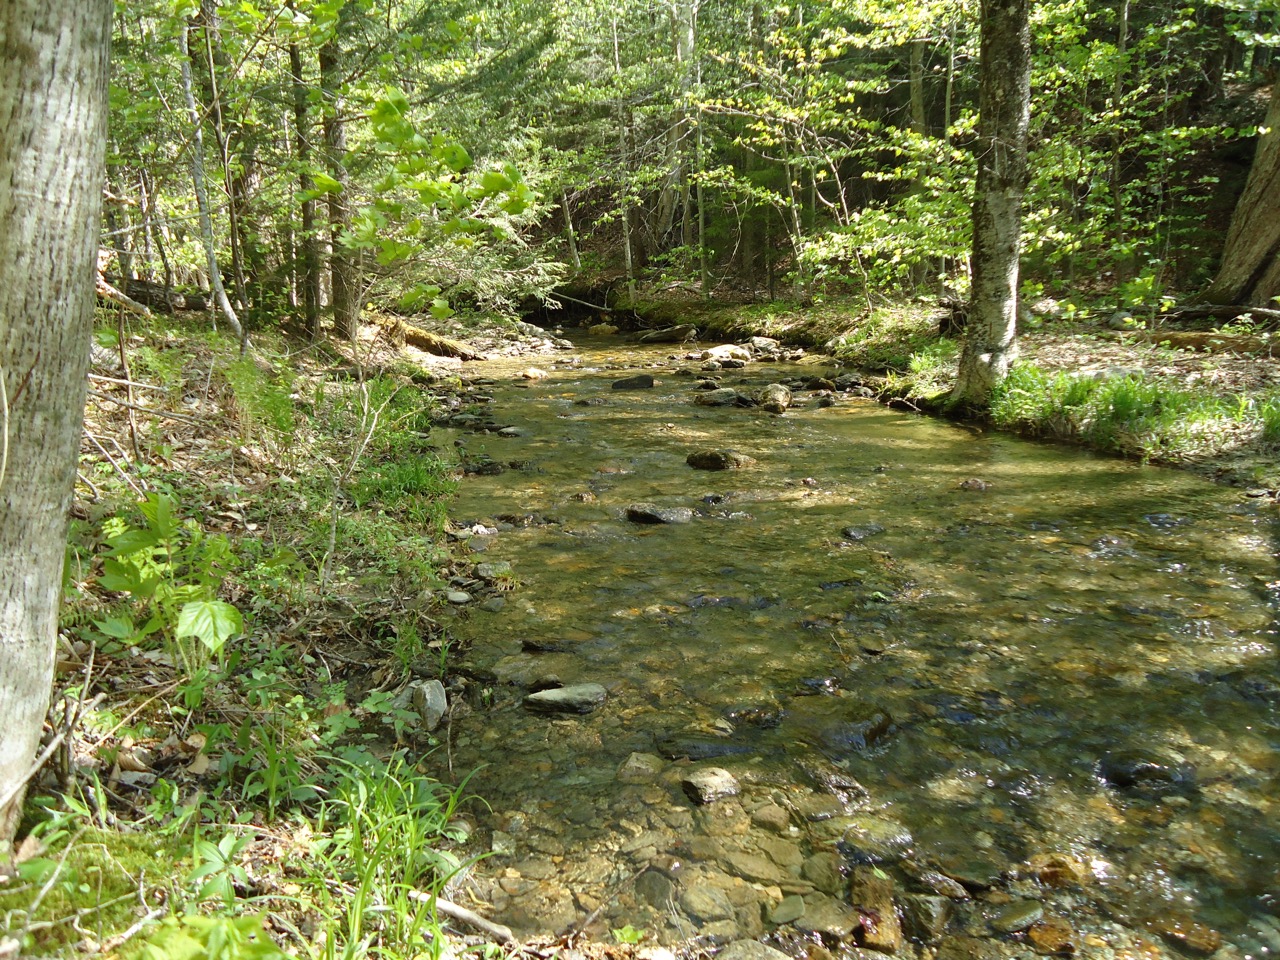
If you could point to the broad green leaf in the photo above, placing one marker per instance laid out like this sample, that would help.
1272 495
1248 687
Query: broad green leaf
119 627
212 621
453 156
325 183
440 309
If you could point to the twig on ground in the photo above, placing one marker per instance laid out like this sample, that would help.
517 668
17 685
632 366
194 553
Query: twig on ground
182 417
111 460
128 383
455 912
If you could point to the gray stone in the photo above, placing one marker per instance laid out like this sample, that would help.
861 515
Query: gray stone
718 460
753 867
823 871
775 398
494 605
828 917
639 768
458 597
493 570
655 889
871 893
789 909
869 839
652 513
719 397
750 950
772 817
925 916
764 346
578 698
706 904
1017 916
862 532
512 432
430 701
641 381
709 785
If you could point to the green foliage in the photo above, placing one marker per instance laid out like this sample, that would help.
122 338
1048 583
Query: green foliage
889 338
170 571
263 398
217 872
222 937
627 934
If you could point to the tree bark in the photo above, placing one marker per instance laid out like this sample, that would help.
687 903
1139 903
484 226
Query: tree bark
309 257
53 135
1250 270
1004 111
218 293
344 276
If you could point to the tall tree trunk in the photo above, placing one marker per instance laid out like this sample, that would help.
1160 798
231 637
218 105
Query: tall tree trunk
623 124
309 257
1250 270
53 135
344 279
1004 110
218 293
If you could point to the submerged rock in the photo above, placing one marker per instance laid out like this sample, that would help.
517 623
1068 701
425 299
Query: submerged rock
718 397
577 698
695 747
871 893
862 532
709 785
867 839
1148 770
641 381
925 916
1017 916
651 513
718 460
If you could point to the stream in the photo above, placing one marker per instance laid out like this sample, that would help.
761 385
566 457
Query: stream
958 692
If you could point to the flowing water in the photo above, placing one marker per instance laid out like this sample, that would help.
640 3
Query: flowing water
962 663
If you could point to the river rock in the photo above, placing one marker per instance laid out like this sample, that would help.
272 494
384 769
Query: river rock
602 329
655 889
458 597
534 373
870 839
925 917
871 894
513 432
718 460
862 532
772 817
1151 770
750 950
696 747
677 334
493 570
719 397
652 513
640 768
858 733
1053 937
1017 916
828 917
706 904
709 785
726 351
764 346
787 910
752 867
430 702
775 398
577 698
641 381
823 871
731 363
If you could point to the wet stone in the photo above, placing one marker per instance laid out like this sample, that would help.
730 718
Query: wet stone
655 889
1190 934
458 597
775 398
640 768
718 460
493 570
771 817
925 916
872 895
818 807
696 747
706 904
750 950
788 909
709 785
1017 916
862 532
430 702
752 867
869 840
823 871
1151 770
512 432
828 917
578 698
652 513
718 397
1052 936
641 381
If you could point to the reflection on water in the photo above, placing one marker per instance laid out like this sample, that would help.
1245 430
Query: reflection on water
1075 657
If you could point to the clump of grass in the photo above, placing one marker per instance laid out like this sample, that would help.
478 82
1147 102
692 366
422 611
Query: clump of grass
1132 415
888 339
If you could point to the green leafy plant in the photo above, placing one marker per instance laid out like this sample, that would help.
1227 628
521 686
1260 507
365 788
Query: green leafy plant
217 871
218 937
627 934
171 571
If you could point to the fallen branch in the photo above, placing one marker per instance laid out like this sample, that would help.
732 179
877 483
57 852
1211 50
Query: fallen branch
455 912
432 343
107 292
133 406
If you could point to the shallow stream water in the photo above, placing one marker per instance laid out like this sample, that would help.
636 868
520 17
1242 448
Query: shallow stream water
983 676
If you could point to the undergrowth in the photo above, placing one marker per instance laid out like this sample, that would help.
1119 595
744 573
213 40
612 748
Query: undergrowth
235 783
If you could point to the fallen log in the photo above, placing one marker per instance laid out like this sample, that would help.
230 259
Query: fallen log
432 343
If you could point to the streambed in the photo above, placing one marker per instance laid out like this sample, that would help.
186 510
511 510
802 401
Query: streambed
995 697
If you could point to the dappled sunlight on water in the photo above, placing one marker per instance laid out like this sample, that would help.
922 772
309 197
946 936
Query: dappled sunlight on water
1069 609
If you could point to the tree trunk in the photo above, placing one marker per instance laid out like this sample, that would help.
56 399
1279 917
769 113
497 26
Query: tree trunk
53 135
344 277
309 257
1004 111
218 293
1250 270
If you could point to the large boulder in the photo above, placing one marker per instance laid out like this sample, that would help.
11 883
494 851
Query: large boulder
718 460
652 513
577 698
775 398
